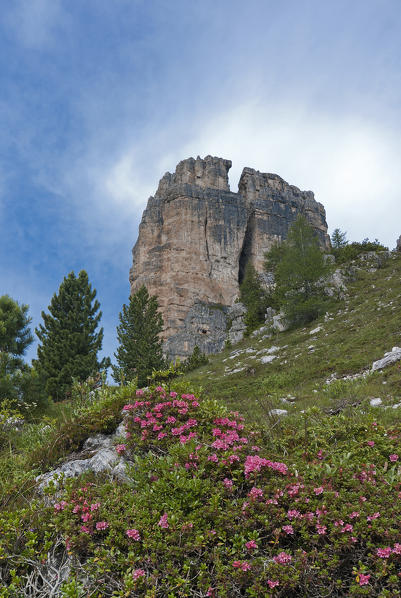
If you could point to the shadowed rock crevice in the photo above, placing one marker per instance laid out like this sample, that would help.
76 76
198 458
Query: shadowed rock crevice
246 251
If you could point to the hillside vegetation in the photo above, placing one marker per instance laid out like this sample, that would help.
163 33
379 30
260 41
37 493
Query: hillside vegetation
222 496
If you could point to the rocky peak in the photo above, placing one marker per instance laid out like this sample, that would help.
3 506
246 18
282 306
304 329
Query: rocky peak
207 173
254 185
196 238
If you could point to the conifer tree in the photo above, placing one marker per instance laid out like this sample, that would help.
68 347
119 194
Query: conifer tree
15 337
68 336
338 239
140 348
299 274
254 297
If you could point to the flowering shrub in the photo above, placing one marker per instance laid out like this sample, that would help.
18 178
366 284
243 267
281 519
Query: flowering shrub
214 508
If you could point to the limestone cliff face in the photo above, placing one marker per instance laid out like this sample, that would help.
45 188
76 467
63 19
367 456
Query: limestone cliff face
196 237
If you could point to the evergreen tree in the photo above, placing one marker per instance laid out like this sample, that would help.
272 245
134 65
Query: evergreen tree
68 337
15 335
338 239
299 275
254 297
140 346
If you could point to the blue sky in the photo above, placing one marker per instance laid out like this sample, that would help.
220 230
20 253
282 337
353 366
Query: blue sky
99 98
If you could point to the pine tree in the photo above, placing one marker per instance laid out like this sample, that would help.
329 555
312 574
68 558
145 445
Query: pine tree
15 337
140 348
68 337
299 275
338 239
254 297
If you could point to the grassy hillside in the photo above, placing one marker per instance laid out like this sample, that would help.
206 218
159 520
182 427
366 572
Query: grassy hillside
357 332
223 498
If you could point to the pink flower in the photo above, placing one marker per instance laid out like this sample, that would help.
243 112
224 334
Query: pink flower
95 506
86 517
354 515
255 493
60 506
161 435
140 392
370 443
384 553
213 458
134 534
237 564
228 483
347 528
84 529
102 525
163 521
173 394
283 558
170 419
393 458
321 529
372 517
121 448
251 545
363 579
138 573
318 491
293 514
288 529
272 584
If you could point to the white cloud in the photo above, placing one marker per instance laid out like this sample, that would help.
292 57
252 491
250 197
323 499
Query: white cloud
351 165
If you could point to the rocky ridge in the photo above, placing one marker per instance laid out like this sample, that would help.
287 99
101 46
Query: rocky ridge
196 237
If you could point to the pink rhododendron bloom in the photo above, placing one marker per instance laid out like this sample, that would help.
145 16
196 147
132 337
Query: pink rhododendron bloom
76 509
233 458
163 521
173 394
288 529
60 506
283 558
393 458
95 506
347 528
245 566
255 493
354 515
251 545
102 525
228 483
384 553
370 443
159 388
140 392
121 448
170 419
318 491
133 534
272 584
161 435
195 404
321 529
293 514
210 592
256 449
86 517
320 455
237 564
372 517
213 458
397 549
84 529
138 573
363 579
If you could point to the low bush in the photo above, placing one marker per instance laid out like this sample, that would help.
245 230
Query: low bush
211 511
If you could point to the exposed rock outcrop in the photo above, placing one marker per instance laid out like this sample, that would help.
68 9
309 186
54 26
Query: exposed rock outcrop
196 237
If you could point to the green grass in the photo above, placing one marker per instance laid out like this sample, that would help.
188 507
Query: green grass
360 330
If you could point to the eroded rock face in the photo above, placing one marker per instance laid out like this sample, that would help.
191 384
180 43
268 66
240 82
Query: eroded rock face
196 237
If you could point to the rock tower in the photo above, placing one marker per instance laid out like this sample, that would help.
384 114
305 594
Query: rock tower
196 237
